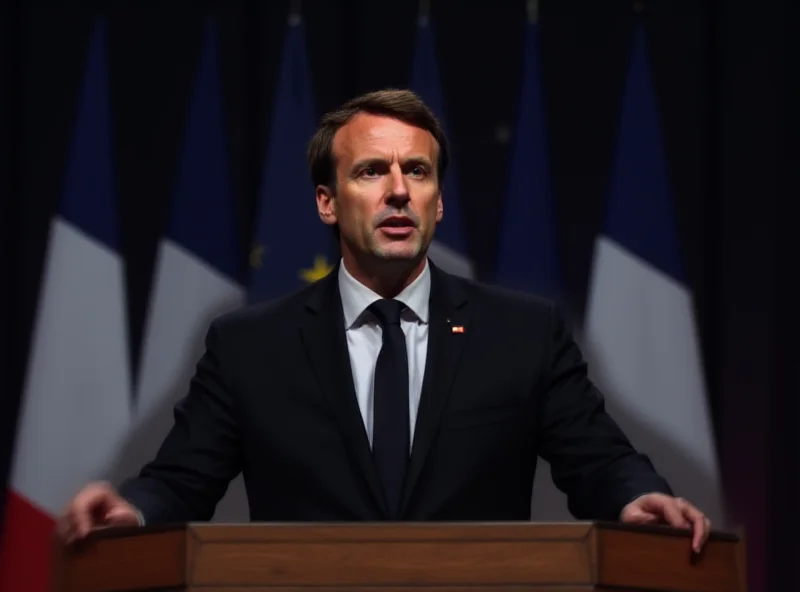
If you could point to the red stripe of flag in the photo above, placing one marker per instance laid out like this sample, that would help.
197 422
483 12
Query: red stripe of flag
26 546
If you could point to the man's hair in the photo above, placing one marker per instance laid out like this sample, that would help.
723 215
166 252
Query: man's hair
403 105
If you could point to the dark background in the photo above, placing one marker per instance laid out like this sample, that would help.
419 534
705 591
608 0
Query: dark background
723 80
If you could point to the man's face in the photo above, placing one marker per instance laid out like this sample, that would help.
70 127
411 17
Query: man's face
387 200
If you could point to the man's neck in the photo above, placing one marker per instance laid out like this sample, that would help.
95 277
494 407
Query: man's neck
384 277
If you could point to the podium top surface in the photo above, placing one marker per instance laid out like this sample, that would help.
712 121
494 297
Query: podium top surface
401 556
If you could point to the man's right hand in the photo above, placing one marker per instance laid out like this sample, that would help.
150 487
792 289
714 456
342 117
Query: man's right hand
97 505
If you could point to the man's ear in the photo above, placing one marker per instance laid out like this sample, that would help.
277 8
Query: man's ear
439 208
326 205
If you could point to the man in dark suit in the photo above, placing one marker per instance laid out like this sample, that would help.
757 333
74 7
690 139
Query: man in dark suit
389 390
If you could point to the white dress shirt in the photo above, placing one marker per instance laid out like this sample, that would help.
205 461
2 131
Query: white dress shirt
365 337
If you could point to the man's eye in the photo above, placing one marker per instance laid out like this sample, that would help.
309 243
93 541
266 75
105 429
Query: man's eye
369 171
418 171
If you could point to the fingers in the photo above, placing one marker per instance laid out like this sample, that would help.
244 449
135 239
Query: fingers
121 516
701 534
89 506
681 514
637 515
72 522
673 514
82 514
676 512
701 526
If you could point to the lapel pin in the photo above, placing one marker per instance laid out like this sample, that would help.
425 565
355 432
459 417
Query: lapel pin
457 329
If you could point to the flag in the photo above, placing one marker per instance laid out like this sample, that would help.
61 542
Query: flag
198 273
293 247
527 256
76 400
448 249
640 326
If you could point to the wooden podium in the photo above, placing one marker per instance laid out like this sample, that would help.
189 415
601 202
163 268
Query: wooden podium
554 557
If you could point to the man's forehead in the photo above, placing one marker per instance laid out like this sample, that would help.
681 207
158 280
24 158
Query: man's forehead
366 131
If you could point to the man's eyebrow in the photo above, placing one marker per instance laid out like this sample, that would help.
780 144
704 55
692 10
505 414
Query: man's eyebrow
373 160
418 160
364 162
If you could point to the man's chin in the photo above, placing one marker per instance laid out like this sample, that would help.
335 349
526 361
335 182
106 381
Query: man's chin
398 252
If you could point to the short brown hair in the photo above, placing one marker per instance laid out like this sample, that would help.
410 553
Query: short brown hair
404 105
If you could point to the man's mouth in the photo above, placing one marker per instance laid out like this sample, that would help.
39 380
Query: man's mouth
397 226
397 222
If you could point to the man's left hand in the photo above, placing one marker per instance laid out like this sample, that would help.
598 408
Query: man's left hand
657 508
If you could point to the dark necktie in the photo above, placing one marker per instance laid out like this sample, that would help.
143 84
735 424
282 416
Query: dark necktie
390 434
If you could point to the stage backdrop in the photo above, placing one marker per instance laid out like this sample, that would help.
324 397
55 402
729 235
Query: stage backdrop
602 156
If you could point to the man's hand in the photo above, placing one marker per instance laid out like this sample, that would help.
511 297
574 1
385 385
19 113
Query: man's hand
657 508
97 505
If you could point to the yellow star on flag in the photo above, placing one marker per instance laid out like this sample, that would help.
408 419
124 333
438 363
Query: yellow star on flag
257 256
320 269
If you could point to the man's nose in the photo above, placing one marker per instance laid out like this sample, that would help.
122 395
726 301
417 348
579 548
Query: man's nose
398 191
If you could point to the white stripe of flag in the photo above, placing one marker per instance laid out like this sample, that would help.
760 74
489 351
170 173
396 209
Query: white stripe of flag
197 276
75 405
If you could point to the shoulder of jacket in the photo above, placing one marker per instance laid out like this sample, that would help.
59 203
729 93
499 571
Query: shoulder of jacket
487 295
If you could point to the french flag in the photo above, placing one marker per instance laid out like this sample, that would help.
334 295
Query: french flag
198 276
75 408
640 327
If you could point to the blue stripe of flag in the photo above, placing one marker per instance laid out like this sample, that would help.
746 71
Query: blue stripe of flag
89 198
202 218
528 257
641 214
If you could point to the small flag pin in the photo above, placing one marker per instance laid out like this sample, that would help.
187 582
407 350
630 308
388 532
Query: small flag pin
457 329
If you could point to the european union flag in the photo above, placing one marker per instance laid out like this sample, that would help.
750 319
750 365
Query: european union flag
293 247
527 258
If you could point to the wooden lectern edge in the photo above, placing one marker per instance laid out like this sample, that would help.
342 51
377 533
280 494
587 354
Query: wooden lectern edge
124 531
715 535
407 532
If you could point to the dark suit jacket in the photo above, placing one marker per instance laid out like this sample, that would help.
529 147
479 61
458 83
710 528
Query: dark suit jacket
273 397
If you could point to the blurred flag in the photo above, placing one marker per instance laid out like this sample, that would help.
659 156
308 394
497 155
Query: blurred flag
198 268
640 326
293 247
448 249
75 406
528 257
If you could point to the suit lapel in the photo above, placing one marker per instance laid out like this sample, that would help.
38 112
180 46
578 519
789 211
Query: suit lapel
323 334
447 311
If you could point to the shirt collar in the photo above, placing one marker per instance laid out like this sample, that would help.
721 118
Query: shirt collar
356 297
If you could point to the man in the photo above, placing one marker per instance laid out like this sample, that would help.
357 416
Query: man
390 390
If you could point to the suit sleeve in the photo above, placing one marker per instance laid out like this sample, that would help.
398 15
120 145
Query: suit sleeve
591 459
201 453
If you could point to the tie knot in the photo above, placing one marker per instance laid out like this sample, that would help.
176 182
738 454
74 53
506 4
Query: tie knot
388 311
